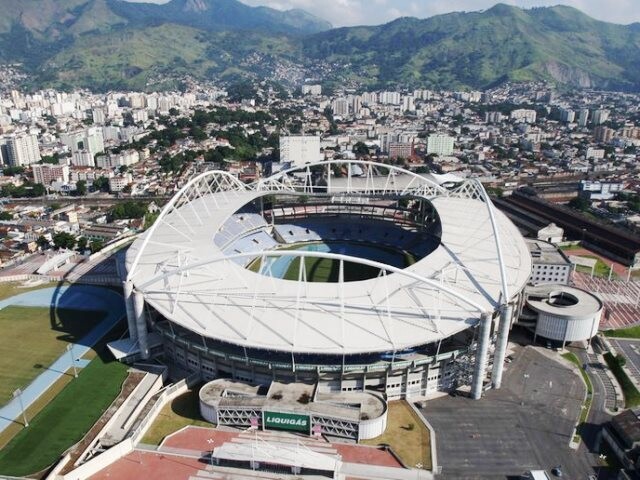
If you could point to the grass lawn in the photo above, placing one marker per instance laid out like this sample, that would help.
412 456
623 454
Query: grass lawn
631 332
411 444
65 420
33 337
601 269
629 390
182 411
328 270
568 248
36 407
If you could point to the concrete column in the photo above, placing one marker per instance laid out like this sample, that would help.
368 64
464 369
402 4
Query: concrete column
501 348
481 356
127 286
141 324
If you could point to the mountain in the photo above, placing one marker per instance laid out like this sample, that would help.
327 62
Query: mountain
479 49
113 43
219 15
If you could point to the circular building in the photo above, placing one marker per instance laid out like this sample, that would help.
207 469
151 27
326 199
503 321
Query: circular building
349 275
564 313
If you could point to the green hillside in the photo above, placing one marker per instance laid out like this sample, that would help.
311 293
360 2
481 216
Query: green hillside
154 57
106 44
480 49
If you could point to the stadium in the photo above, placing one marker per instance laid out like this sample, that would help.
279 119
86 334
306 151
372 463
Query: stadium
347 275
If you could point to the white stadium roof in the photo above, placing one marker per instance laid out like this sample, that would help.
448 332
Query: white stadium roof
185 276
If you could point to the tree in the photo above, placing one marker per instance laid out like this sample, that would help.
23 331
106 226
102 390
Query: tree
360 149
580 203
128 209
81 187
101 183
4 215
64 240
42 242
96 246
82 244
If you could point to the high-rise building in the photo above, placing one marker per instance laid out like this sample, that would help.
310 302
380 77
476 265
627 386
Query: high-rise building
340 107
90 140
4 151
408 104
390 98
567 115
493 117
356 104
439 144
299 149
312 90
45 174
523 115
603 134
600 116
23 150
83 158
583 118
98 116
400 150
370 98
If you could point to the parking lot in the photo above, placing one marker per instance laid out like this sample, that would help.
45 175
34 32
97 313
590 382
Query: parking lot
525 425
631 350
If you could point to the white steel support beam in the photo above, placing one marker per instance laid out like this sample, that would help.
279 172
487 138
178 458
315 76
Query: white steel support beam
127 286
481 356
141 324
501 347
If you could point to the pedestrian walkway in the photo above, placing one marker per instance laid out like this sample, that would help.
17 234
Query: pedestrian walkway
595 366
78 297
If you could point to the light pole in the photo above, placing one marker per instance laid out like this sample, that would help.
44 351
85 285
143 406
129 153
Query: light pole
18 394
73 362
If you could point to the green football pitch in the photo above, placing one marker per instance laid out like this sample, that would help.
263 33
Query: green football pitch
33 338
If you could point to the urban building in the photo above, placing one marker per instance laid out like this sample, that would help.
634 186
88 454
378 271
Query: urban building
47 173
23 150
441 145
299 149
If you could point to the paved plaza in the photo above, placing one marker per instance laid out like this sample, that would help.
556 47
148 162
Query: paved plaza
525 425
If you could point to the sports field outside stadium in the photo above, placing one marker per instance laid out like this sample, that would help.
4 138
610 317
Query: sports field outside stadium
33 337
328 270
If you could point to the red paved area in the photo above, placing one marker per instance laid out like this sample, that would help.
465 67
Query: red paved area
621 299
366 455
618 268
145 465
191 441
195 438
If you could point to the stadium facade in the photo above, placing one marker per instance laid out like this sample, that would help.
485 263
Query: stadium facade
346 274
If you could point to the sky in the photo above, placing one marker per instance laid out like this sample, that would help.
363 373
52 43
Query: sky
373 12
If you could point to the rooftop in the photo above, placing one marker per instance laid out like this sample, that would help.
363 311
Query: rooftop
190 280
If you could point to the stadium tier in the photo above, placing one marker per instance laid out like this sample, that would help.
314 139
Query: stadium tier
384 281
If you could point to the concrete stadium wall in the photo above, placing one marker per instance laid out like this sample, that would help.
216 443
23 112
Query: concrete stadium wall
432 438
374 427
570 329
103 460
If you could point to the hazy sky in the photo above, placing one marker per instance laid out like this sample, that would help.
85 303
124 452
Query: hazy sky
358 12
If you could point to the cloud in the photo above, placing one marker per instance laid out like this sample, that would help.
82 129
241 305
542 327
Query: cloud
374 12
